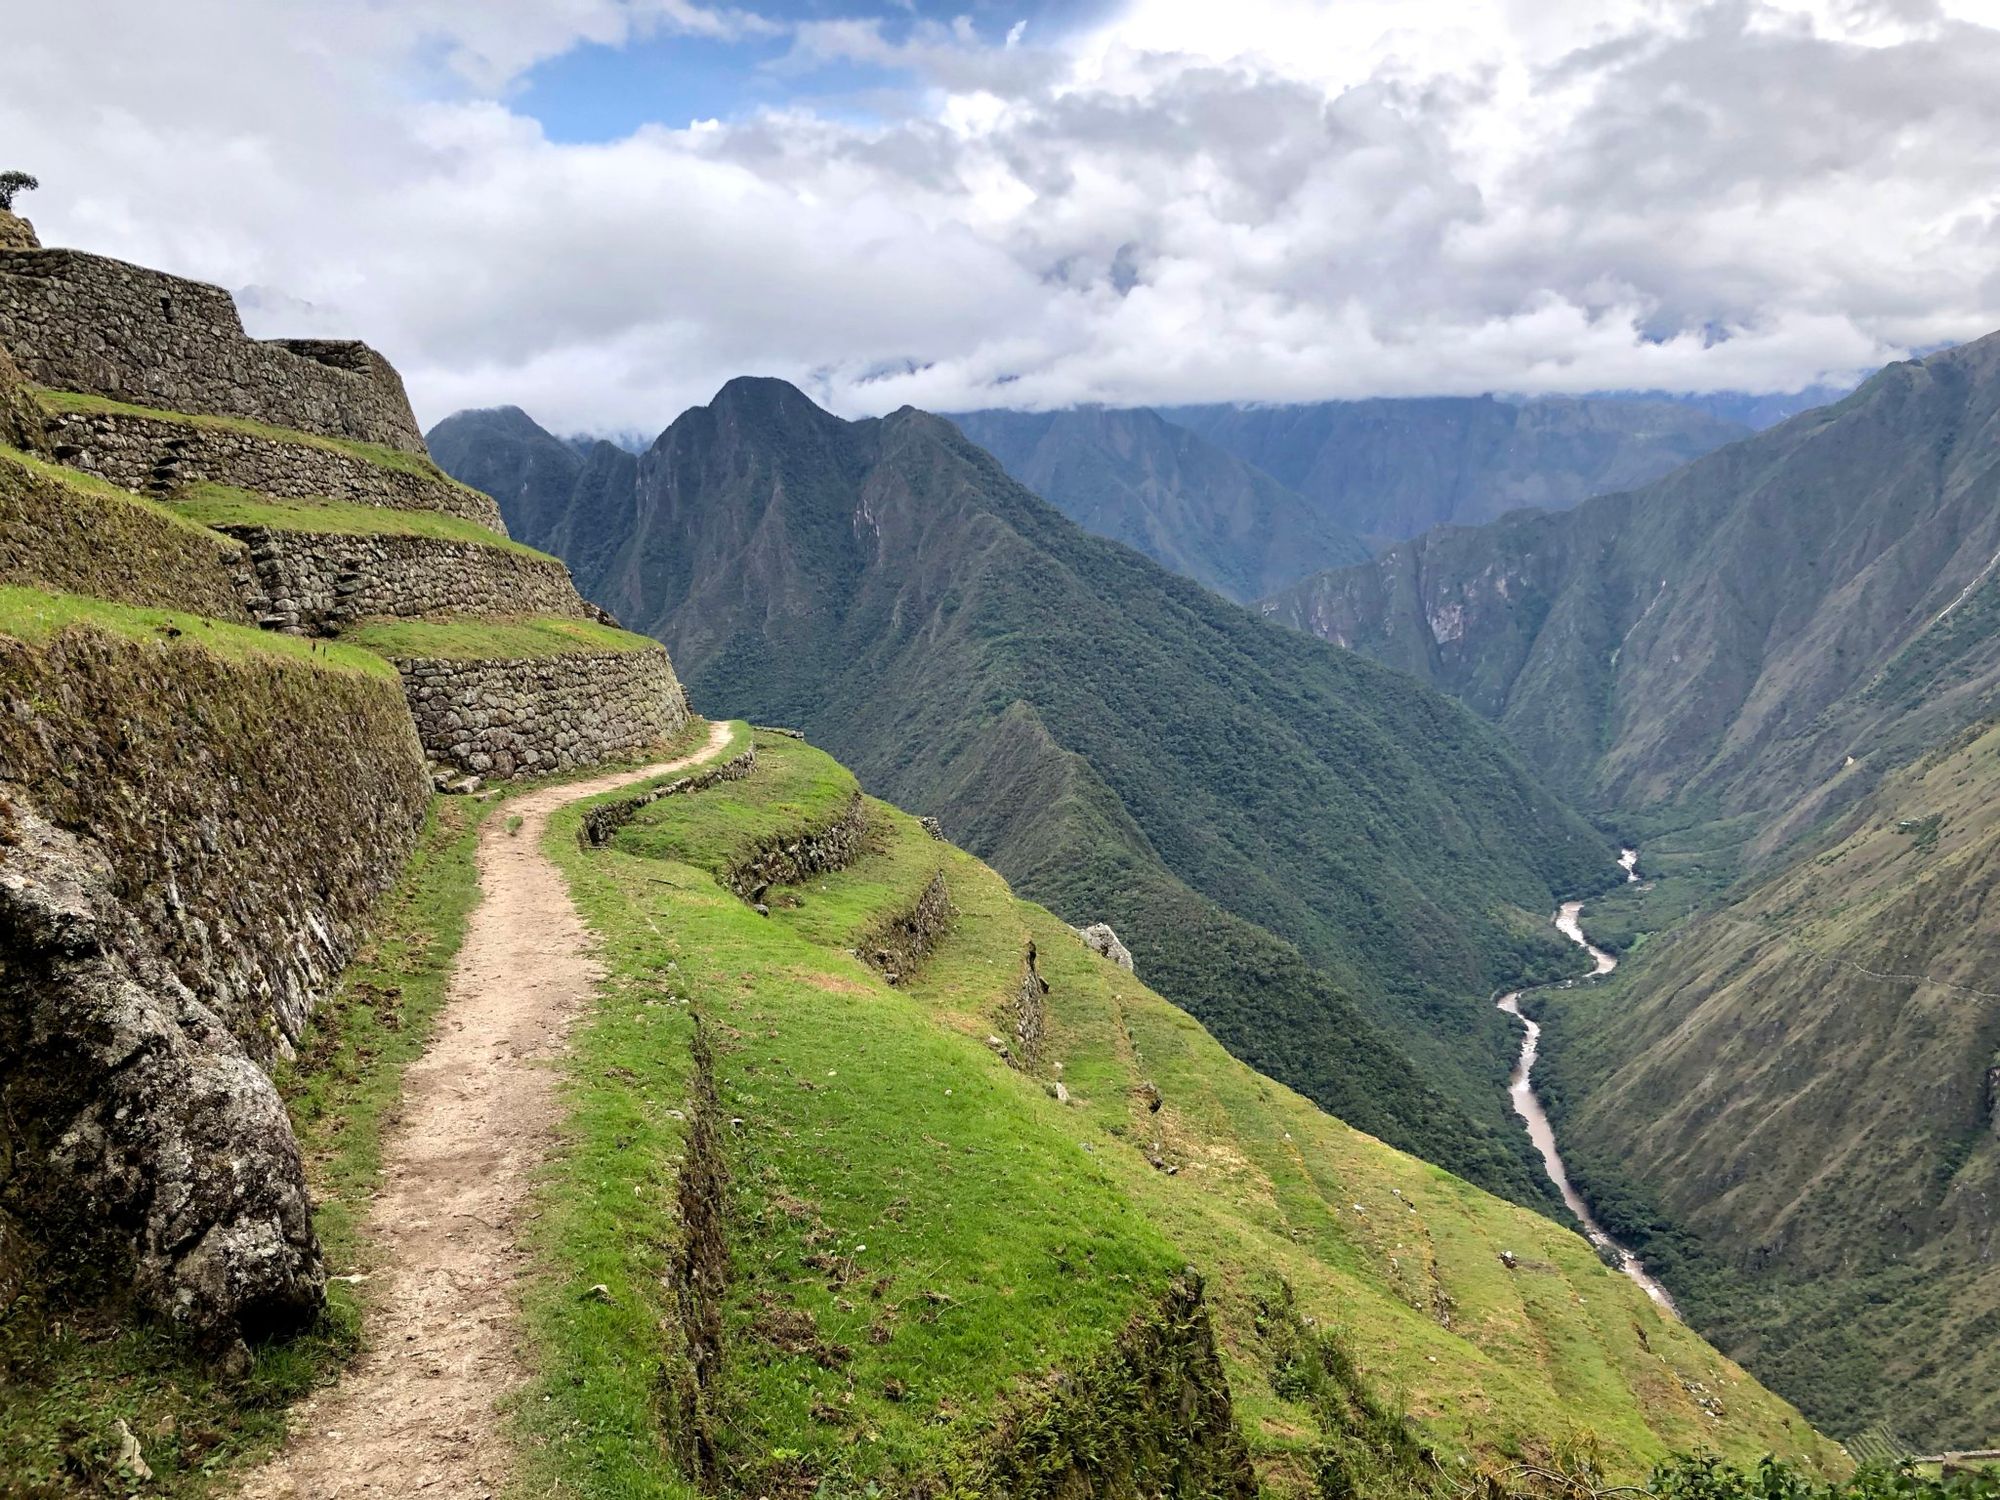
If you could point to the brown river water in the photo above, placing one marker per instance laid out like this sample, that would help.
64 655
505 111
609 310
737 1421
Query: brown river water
1521 1089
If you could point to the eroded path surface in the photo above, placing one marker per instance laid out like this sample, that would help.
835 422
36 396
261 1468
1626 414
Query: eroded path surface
418 1413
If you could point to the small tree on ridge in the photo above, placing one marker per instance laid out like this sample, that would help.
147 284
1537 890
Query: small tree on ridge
12 183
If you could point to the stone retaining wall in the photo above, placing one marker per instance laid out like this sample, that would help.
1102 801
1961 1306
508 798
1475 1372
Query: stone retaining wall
789 858
158 455
537 716
80 322
602 822
191 843
898 948
1031 1011
311 583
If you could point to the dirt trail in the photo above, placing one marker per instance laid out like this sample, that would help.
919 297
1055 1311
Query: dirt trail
417 1414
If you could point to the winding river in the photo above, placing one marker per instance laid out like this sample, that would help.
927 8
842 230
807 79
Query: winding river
1529 1107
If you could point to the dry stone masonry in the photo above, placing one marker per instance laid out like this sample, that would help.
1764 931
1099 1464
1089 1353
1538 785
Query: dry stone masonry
899 947
602 822
157 455
312 583
540 715
77 322
795 857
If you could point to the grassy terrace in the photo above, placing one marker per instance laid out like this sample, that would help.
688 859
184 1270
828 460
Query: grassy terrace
375 453
493 640
224 505
38 615
99 489
918 1233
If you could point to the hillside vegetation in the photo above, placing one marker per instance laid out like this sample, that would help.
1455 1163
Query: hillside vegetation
1733 635
1772 670
1791 1108
846 1232
1331 868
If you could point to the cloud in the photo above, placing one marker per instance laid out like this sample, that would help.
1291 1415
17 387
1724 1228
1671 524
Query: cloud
1271 200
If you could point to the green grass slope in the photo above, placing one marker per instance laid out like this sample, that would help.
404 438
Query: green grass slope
813 1231
1332 867
1792 1106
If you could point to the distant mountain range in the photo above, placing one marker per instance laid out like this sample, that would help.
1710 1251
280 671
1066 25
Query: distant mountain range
1390 469
1779 663
1331 866
1139 479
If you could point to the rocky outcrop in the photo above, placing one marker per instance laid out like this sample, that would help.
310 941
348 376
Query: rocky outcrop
1101 940
159 454
78 322
602 822
312 583
898 947
72 535
540 715
145 1148
16 233
790 858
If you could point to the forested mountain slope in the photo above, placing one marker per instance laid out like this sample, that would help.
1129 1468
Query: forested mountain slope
1788 1102
1792 1107
1738 631
1392 468
1329 866
1141 480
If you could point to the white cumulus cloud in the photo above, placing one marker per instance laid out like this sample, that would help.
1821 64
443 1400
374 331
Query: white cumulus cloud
1268 200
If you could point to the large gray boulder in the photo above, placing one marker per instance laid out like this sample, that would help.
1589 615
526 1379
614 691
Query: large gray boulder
1100 939
148 1149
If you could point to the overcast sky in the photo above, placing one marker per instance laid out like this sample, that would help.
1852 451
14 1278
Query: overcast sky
602 209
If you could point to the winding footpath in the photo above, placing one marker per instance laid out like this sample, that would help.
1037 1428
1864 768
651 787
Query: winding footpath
418 1413
1528 1105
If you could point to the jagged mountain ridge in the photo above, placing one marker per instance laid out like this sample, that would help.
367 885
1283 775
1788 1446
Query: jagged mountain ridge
1393 468
1137 478
1117 740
